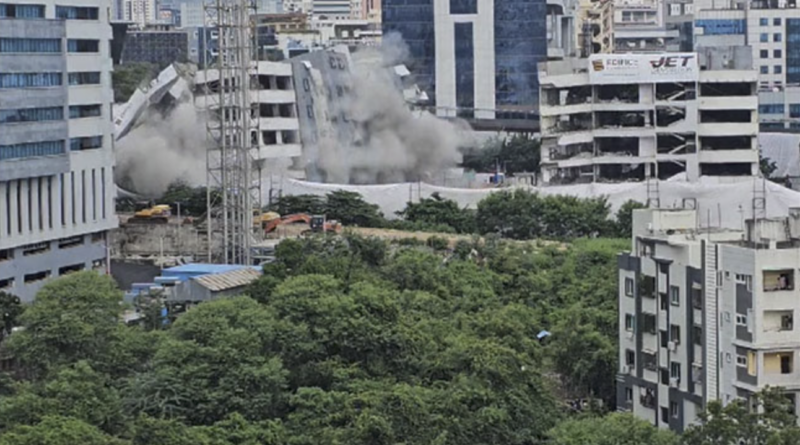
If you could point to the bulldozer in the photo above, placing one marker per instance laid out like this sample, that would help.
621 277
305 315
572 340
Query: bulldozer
157 214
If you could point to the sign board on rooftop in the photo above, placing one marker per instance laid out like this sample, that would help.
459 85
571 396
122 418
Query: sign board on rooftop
643 68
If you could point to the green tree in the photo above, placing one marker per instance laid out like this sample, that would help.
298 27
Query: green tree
57 430
193 200
290 204
625 218
127 78
520 153
767 166
439 211
524 215
73 318
613 429
766 419
10 310
350 209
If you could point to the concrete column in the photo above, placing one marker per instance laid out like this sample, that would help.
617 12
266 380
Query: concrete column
47 201
25 208
95 195
13 187
69 198
80 202
33 183
58 193
3 207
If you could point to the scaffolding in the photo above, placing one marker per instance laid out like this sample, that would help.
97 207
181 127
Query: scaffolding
232 171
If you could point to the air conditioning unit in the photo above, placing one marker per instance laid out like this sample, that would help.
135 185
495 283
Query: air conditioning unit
629 334
672 346
674 382
625 369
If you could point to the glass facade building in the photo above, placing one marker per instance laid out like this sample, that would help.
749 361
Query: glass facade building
792 51
520 41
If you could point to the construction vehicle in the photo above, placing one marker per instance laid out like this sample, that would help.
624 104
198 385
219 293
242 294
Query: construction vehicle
157 214
316 223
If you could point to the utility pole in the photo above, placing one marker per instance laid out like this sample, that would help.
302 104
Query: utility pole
232 173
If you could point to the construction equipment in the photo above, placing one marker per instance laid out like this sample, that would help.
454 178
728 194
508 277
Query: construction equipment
158 214
316 223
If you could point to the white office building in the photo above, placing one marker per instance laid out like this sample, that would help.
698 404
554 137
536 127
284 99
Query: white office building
140 12
628 117
56 154
706 314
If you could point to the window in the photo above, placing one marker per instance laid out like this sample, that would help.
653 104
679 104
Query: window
31 149
629 322
675 334
786 363
697 296
647 286
777 69
16 45
776 21
29 80
31 115
463 6
628 394
649 361
675 295
83 46
675 9
741 360
30 278
697 335
664 335
84 78
741 320
76 13
763 21
21 11
764 53
664 415
81 111
6 283
764 37
764 69
630 357
771 109
673 409
664 372
688 8
776 37
629 286
648 398
85 143
787 322
777 54
675 370
649 323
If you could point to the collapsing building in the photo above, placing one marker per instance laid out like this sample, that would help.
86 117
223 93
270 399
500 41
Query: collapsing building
622 117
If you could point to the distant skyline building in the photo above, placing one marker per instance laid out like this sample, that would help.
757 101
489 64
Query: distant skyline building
56 157
473 54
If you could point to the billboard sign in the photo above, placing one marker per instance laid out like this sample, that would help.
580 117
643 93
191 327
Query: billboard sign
643 68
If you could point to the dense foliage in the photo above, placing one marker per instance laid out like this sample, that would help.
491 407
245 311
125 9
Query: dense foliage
518 214
128 77
519 153
349 340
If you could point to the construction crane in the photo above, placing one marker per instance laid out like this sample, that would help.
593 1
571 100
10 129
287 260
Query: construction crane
233 173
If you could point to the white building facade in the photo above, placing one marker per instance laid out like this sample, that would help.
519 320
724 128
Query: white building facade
706 315
56 149
618 117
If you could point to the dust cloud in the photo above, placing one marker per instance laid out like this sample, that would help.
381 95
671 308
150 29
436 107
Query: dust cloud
162 150
393 143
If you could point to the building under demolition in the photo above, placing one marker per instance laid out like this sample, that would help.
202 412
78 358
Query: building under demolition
630 117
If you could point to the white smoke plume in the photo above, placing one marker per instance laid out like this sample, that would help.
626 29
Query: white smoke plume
394 143
162 150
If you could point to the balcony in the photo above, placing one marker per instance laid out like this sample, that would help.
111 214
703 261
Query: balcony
778 280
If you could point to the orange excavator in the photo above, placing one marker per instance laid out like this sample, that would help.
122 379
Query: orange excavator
317 223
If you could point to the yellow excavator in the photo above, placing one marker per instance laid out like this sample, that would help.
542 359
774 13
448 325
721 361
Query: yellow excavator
157 214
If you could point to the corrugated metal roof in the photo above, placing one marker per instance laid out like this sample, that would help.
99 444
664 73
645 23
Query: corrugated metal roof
198 268
228 280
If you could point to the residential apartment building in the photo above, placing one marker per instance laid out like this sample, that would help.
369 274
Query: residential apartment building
56 157
140 12
706 314
595 27
473 58
629 117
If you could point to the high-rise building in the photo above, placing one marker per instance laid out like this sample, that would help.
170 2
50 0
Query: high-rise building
56 158
628 117
140 12
706 314
476 55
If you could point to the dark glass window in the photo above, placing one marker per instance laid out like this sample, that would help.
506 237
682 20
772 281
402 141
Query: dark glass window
83 46
31 149
465 69
76 13
520 43
29 80
84 78
79 111
21 11
31 115
463 6
17 45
